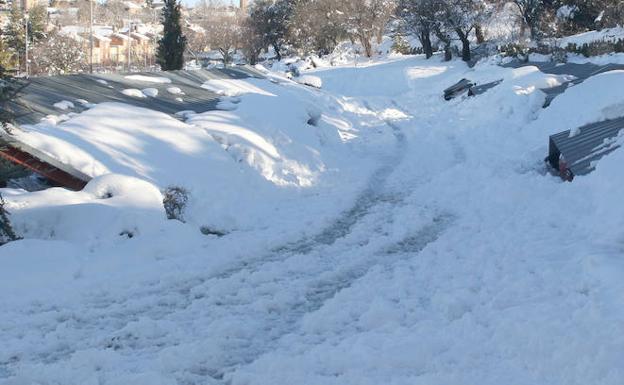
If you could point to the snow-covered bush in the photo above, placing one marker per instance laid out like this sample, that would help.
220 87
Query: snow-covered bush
596 48
516 50
175 199
309 80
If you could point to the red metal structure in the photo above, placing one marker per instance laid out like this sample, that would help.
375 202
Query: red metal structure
42 164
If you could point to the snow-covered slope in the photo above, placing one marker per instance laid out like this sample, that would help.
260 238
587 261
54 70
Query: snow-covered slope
241 165
458 258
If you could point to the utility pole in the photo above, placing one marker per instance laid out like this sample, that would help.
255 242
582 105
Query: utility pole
129 39
91 36
26 45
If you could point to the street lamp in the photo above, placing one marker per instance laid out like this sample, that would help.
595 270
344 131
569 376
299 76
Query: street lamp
129 39
26 21
91 36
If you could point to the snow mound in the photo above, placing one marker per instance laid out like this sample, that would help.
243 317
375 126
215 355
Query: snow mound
149 79
64 105
309 80
123 206
151 92
232 87
264 141
581 104
175 90
85 103
133 92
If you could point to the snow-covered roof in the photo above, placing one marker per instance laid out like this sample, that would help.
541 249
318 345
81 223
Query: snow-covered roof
132 5
120 36
100 38
139 36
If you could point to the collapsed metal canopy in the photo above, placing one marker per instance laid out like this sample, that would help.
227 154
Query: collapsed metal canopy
581 72
577 154
39 162
38 96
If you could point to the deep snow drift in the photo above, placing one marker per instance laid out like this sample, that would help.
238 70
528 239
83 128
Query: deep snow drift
377 234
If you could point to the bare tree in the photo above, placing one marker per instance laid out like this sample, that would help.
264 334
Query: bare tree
461 17
113 12
366 20
197 39
419 17
252 43
224 31
59 54
531 14
316 26
271 20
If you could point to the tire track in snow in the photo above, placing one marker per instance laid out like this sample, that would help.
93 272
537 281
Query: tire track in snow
315 291
342 226
178 302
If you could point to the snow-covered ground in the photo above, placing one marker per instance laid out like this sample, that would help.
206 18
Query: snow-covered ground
376 234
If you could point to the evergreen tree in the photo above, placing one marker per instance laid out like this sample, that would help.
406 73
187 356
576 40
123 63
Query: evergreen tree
6 92
170 53
271 19
15 31
6 56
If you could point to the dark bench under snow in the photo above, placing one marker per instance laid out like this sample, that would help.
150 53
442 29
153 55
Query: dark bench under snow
457 89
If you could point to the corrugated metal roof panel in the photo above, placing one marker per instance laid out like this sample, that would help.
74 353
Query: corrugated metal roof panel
581 71
38 97
588 144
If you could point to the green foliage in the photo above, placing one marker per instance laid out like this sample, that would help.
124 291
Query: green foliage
596 48
400 45
6 230
515 50
171 47
271 21
7 234
6 55
15 31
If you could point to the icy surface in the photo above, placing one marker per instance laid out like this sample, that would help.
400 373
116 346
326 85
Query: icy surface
374 234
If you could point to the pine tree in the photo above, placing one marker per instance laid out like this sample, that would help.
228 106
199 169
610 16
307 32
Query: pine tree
170 53
15 31
6 91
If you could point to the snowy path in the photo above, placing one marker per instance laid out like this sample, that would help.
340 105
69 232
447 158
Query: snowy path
449 267
237 313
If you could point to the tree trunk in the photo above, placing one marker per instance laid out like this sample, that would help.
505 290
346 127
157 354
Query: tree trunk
463 37
278 54
225 55
366 43
448 55
444 38
479 34
425 41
